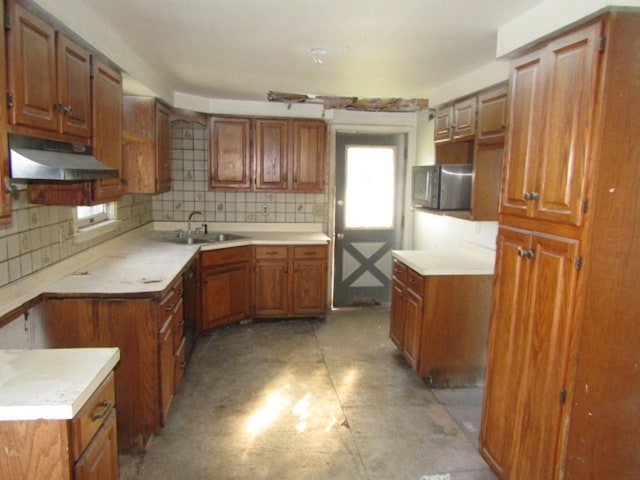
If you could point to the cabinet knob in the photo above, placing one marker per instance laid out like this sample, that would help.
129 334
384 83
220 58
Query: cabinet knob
528 196
339 236
525 253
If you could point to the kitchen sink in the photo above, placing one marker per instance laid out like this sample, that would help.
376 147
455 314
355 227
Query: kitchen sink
182 238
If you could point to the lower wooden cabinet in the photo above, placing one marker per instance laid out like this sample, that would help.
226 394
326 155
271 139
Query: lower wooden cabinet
290 281
83 448
143 328
226 286
440 324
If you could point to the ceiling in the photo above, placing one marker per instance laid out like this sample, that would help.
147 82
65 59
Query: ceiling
241 49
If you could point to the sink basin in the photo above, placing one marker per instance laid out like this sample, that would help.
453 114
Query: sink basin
182 238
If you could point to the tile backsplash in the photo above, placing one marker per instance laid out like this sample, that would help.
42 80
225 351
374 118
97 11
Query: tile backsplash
190 191
41 235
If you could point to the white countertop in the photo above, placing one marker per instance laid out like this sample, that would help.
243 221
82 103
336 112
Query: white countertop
465 261
148 265
51 384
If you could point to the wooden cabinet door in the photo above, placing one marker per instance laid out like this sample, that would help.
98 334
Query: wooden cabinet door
542 400
100 460
571 83
271 295
308 156
107 128
464 119
166 366
163 149
552 102
271 154
396 326
506 347
412 328
32 70
522 148
74 88
5 197
309 287
230 153
443 122
225 293
492 116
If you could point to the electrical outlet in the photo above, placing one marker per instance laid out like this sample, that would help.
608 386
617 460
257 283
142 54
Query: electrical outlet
265 209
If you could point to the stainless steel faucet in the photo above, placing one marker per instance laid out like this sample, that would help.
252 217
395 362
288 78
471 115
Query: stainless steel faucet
191 215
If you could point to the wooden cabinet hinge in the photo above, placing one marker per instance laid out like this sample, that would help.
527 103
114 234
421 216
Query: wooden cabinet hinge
9 99
563 395
601 43
7 19
579 262
585 205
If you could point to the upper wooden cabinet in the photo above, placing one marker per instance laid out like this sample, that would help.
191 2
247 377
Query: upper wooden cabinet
492 116
271 154
49 79
146 145
546 153
107 131
5 197
267 154
456 122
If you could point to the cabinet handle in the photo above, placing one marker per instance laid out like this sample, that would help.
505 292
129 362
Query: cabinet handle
169 307
528 196
106 406
526 253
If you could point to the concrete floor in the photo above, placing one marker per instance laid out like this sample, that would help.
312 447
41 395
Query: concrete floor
305 400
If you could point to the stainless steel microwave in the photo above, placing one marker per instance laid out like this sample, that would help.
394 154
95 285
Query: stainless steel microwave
442 187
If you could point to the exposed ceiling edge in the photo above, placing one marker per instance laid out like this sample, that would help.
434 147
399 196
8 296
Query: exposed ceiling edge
353 103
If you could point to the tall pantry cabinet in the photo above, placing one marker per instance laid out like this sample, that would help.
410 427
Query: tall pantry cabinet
562 394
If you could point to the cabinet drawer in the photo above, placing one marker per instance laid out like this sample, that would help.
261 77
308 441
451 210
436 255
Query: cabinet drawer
415 281
171 300
400 271
273 252
212 258
310 251
92 415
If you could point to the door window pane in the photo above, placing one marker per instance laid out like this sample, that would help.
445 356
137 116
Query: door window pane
369 187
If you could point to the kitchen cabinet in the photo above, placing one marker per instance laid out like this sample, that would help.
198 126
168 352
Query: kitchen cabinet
49 79
485 186
146 145
492 116
230 153
107 129
309 280
271 286
398 303
562 373
143 328
267 154
290 281
5 185
226 286
309 157
456 122
440 324
82 448
271 154
547 148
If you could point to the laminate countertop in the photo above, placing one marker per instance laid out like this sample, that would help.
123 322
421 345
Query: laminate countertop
468 260
51 384
148 265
